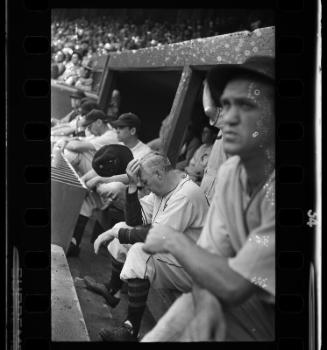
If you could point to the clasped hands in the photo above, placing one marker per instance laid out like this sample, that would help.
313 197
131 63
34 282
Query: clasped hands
158 238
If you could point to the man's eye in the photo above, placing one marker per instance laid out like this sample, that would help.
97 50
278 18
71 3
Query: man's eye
225 104
245 105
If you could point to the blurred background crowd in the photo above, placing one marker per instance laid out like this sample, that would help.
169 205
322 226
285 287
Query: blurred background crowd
80 35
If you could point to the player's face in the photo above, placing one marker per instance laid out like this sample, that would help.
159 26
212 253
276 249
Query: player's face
150 181
207 136
123 133
248 117
94 128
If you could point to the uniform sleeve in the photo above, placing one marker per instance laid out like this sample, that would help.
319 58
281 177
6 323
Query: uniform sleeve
256 259
106 139
133 235
214 236
133 209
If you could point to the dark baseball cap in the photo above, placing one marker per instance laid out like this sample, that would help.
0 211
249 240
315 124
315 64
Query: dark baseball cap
78 94
94 115
111 160
127 119
262 67
87 106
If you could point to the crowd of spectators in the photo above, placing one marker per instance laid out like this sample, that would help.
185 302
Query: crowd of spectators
88 38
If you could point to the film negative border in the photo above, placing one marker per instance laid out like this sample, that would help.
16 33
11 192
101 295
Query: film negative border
28 123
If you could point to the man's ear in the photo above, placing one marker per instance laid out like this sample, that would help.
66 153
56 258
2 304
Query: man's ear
133 131
159 173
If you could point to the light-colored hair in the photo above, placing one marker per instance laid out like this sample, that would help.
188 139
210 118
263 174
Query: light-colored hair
156 161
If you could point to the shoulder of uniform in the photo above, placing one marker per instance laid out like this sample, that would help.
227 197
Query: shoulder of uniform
229 166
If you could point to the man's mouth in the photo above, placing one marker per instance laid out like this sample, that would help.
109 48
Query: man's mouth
229 135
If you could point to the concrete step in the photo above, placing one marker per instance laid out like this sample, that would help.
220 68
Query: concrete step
67 320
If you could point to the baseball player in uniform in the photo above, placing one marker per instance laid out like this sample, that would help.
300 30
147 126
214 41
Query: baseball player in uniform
174 200
233 263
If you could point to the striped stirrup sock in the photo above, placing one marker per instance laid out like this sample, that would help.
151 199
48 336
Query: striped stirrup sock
79 228
115 282
138 290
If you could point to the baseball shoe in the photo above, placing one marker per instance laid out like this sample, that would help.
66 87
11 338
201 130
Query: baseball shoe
101 289
73 250
124 333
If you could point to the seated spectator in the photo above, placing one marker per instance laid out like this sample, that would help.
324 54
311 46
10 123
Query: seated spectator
59 60
85 80
198 162
233 263
175 201
54 71
68 52
72 71
191 143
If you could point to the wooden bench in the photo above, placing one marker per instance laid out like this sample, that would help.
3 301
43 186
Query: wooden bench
67 320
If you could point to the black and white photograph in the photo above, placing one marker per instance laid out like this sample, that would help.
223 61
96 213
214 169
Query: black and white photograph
162 175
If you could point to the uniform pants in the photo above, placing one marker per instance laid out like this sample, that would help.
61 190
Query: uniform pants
162 270
251 321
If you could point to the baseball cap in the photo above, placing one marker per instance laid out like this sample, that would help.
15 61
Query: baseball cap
111 160
127 119
79 94
87 106
94 115
258 66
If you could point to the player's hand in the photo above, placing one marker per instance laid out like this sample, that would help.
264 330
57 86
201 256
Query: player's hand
89 175
91 183
132 171
113 192
157 238
115 229
208 323
104 238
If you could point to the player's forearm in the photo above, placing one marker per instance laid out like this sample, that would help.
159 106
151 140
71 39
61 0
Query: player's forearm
62 130
133 209
116 178
210 271
89 175
133 235
79 147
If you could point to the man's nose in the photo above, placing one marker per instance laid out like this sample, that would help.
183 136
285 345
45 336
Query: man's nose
139 183
231 116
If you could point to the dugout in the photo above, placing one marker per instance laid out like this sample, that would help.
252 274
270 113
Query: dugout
157 81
